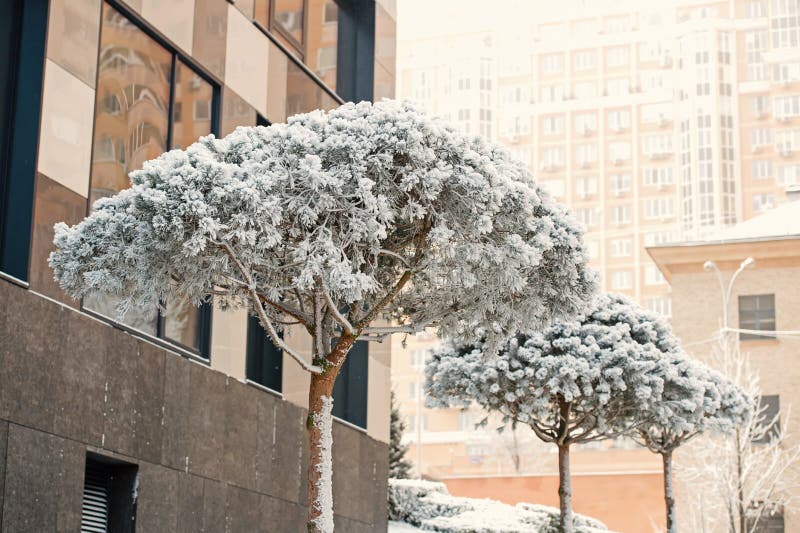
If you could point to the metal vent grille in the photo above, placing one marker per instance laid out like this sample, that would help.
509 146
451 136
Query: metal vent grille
94 515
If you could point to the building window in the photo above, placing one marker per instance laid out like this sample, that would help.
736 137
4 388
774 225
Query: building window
620 247
763 202
109 495
757 313
552 125
659 208
413 390
653 276
585 123
586 154
619 120
619 183
288 18
264 359
770 521
762 169
760 137
584 60
786 107
621 280
586 186
588 216
553 63
769 421
620 215
153 91
661 306
23 32
350 389
658 177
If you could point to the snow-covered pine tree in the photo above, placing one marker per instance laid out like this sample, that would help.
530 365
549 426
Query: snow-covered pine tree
592 379
695 400
399 465
333 221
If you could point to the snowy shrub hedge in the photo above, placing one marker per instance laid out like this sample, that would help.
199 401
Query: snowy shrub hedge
428 506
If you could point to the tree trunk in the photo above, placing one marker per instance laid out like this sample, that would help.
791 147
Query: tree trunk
740 507
564 489
320 464
669 492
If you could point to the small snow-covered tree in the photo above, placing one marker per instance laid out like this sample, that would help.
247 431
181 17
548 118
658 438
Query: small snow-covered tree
695 400
330 222
399 465
746 476
576 382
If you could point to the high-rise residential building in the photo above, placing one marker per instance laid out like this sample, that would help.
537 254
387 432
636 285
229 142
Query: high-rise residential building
653 121
187 419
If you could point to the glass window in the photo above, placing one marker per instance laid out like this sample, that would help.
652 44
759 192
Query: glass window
756 312
288 17
138 82
769 422
191 109
303 94
264 359
322 46
350 389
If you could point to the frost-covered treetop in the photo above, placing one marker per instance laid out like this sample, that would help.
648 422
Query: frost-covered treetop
696 399
606 366
373 209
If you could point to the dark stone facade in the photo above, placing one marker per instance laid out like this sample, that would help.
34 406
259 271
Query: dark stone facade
213 454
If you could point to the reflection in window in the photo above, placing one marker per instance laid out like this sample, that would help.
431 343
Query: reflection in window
191 110
288 16
133 73
181 324
132 125
303 94
322 41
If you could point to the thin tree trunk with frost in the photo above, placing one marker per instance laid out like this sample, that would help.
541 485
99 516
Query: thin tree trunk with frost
320 464
564 489
669 492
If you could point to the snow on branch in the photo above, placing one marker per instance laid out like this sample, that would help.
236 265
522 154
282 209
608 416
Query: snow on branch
394 213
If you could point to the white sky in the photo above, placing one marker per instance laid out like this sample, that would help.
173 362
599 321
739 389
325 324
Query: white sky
426 18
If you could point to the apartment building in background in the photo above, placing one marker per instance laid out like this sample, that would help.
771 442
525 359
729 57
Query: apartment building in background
655 122
761 301
189 419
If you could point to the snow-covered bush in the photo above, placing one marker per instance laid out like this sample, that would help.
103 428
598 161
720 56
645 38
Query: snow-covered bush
330 222
428 506
595 378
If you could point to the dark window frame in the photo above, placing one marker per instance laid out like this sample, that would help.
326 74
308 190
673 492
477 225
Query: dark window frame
754 319
205 311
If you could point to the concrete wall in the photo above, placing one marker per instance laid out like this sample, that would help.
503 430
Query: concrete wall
213 453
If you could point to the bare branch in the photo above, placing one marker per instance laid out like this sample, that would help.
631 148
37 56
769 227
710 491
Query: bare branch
262 314
339 317
396 256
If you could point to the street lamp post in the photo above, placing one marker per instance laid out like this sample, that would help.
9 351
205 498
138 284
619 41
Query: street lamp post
726 298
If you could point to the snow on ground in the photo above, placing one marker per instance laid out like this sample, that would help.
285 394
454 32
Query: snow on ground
401 527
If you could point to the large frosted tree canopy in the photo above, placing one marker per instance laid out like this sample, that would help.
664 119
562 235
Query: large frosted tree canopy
368 210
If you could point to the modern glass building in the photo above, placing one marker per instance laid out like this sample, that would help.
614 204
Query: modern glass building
187 419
